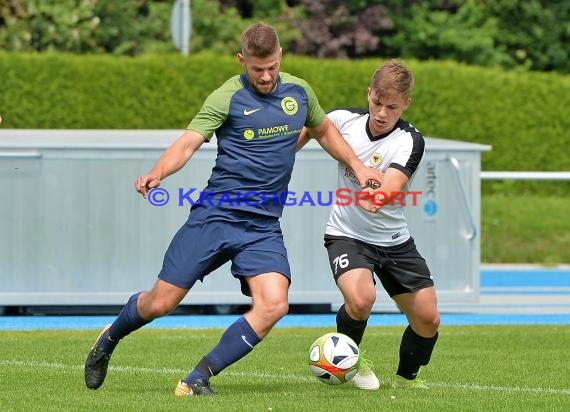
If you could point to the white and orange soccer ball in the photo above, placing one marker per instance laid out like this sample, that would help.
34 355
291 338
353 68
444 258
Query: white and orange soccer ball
334 358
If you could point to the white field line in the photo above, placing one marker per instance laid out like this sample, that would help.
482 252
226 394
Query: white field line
279 377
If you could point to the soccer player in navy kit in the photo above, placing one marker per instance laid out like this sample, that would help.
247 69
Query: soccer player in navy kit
257 118
376 240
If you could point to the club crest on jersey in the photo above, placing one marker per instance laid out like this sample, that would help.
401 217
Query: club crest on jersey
248 134
289 105
375 159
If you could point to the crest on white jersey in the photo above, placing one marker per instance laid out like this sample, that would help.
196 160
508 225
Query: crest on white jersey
376 159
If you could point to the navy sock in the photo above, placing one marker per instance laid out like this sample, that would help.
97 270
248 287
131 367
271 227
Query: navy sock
128 320
350 327
415 351
236 342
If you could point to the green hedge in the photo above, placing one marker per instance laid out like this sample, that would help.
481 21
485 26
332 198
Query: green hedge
103 92
524 116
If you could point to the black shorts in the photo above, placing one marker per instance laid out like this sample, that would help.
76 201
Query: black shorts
400 268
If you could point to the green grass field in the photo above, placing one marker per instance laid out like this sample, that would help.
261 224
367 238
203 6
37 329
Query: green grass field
474 368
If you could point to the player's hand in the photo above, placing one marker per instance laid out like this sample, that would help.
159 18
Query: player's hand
369 199
368 177
143 184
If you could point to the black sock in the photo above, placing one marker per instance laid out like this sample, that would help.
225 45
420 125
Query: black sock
350 327
415 351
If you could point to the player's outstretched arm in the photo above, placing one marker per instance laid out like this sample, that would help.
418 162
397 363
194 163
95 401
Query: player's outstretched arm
171 161
330 139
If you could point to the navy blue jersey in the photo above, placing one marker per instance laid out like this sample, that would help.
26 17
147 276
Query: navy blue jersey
257 136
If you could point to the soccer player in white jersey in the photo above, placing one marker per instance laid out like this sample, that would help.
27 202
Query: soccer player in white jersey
376 241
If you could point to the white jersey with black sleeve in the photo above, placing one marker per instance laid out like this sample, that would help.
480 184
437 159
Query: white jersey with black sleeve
401 148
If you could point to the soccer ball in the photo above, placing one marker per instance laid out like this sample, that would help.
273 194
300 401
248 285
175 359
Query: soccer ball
334 358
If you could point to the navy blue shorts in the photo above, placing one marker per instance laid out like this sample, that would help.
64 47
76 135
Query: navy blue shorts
212 236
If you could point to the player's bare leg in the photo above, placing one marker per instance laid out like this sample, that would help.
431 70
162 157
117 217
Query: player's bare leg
269 301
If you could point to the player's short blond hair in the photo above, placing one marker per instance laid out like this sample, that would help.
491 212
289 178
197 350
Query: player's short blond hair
259 40
392 78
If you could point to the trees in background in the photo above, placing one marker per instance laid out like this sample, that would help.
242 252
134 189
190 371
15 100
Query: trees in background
524 34
127 27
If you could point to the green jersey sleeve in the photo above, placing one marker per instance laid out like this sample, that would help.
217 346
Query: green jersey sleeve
215 109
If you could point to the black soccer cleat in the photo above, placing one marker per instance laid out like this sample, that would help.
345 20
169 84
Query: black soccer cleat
96 365
200 387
